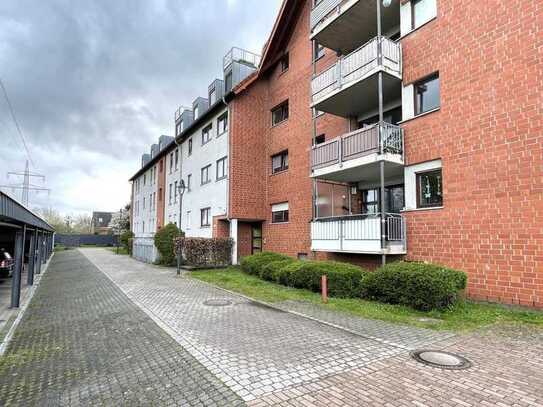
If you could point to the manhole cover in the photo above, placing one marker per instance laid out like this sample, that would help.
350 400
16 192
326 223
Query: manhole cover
443 360
217 302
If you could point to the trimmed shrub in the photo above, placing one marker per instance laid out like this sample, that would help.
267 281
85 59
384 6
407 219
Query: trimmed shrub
272 270
419 285
205 252
253 264
165 243
344 280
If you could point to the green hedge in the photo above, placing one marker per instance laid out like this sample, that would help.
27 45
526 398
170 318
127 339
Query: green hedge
253 264
419 285
165 243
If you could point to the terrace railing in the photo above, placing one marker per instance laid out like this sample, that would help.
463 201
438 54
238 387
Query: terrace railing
324 9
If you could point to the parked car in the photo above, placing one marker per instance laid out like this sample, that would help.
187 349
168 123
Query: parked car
6 264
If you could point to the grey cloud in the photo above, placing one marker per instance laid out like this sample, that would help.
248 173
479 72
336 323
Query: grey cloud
104 77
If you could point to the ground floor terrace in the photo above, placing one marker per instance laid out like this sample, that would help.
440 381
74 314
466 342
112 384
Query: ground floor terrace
104 329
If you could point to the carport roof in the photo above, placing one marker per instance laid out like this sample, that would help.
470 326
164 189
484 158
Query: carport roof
11 211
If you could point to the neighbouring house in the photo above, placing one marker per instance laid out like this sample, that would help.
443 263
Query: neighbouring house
413 131
198 157
147 201
101 223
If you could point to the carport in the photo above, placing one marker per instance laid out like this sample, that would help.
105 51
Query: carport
28 238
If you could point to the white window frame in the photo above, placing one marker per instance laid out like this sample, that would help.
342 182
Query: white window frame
410 183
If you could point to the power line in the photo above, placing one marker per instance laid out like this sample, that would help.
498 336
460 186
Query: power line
16 122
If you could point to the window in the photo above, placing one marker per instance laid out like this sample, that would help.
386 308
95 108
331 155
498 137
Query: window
370 201
280 162
175 192
427 94
222 124
143 202
280 212
144 179
170 198
318 50
321 138
429 189
206 134
181 126
178 128
422 11
176 159
190 146
171 162
188 220
204 175
161 165
189 178
143 226
222 168
204 217
212 97
196 111
284 63
280 113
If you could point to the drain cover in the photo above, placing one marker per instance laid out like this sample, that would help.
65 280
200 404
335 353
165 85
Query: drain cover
217 302
443 360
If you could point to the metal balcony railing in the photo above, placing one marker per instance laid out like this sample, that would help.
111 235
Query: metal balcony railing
379 138
357 65
240 55
360 233
324 9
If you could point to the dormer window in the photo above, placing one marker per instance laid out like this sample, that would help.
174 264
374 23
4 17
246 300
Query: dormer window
196 109
212 97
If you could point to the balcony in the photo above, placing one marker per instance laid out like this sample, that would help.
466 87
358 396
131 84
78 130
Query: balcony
350 86
240 55
341 158
359 234
342 25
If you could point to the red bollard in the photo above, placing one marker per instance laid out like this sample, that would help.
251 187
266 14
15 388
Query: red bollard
324 288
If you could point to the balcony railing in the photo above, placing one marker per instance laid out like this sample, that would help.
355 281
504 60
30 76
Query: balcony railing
323 10
357 65
240 55
379 138
358 233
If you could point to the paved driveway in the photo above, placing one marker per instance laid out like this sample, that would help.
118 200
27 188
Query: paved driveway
90 343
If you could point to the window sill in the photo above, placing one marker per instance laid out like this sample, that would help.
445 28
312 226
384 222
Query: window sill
437 109
279 124
220 134
417 28
279 223
431 208
220 179
282 73
279 172
206 183
205 226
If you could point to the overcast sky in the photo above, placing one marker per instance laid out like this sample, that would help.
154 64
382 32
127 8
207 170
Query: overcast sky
94 83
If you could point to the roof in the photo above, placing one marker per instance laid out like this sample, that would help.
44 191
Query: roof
101 219
171 145
12 211
199 120
279 37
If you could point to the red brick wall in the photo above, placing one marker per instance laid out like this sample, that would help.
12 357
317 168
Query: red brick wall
489 136
160 193
221 227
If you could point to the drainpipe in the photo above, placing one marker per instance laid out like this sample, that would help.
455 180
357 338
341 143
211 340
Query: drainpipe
381 163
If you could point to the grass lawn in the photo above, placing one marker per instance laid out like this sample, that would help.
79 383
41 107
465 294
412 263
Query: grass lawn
122 250
464 316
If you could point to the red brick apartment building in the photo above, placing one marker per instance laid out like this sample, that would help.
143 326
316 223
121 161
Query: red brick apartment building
376 130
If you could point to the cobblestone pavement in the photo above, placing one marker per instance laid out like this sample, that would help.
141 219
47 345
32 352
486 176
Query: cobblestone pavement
83 342
270 357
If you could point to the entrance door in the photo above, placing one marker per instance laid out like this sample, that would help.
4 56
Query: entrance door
256 239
